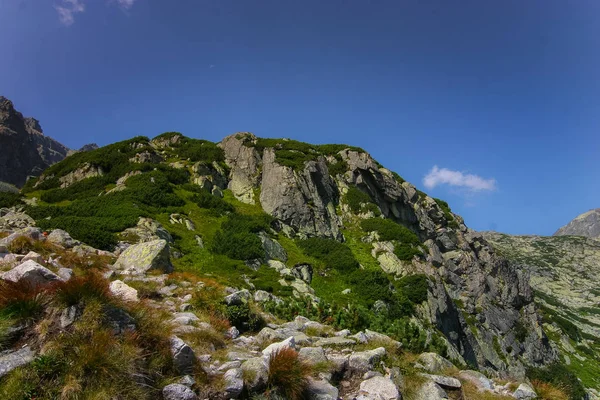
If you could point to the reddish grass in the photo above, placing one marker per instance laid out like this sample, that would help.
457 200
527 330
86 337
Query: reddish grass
546 391
288 374
89 286
22 300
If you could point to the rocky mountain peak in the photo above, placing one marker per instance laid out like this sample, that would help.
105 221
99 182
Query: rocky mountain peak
586 224
31 151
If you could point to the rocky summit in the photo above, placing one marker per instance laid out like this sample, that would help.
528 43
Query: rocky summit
26 151
179 268
586 224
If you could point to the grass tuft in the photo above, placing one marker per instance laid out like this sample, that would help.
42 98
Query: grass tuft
288 374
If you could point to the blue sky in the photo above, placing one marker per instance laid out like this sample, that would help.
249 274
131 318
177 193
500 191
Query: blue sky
502 96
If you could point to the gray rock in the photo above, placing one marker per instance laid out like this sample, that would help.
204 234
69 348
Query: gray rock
275 347
33 256
184 358
176 391
69 315
147 230
433 362
312 355
256 373
123 291
303 272
142 257
187 380
118 320
62 238
238 298
478 379
273 250
336 341
586 224
363 361
233 332
29 232
234 383
321 390
14 359
524 392
261 296
244 162
32 274
65 273
445 381
378 388
431 391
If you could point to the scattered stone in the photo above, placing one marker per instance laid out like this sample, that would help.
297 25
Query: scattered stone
118 320
33 256
312 355
185 318
124 291
335 341
478 379
184 358
187 380
234 383
433 362
233 332
185 307
15 359
31 273
445 381
62 238
260 296
238 298
256 373
431 391
347 291
321 390
275 347
524 392
363 361
65 273
177 391
378 388
69 315
273 250
142 257
303 272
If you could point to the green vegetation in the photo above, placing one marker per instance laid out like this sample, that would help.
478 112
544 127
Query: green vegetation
558 375
288 375
414 287
243 318
204 199
405 241
8 199
237 237
447 213
332 253
359 201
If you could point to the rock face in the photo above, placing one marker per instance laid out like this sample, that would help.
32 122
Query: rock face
142 257
30 150
586 224
31 273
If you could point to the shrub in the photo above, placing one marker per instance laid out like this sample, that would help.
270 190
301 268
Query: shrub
406 252
356 198
370 285
447 212
19 300
415 287
204 199
243 318
237 237
334 254
559 376
200 150
546 391
390 230
9 199
91 286
338 168
288 374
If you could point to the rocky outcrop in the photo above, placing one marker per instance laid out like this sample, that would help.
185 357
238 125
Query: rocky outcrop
142 257
244 162
30 150
586 224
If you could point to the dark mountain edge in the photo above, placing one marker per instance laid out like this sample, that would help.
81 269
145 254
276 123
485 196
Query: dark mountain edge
324 230
28 151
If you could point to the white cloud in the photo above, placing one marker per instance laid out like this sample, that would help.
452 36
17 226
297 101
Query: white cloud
440 176
126 4
67 10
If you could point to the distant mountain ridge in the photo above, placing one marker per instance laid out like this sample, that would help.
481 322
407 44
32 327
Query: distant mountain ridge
27 151
586 224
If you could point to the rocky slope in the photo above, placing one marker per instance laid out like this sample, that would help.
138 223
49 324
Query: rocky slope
586 224
30 151
564 272
323 231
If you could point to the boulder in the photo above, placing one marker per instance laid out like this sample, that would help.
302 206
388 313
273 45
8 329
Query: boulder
142 257
303 272
118 320
378 388
176 391
524 392
238 298
363 361
444 381
273 250
62 238
312 355
261 296
256 373
29 232
234 383
124 291
15 359
184 358
65 273
275 347
31 273
431 391
33 256
433 362
478 379
336 341
321 390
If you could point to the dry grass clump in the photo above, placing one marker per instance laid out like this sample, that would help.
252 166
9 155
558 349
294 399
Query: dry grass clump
25 244
21 300
90 286
471 392
546 391
288 375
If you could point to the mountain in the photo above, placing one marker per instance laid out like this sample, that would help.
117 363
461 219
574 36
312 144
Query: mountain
30 151
251 231
564 271
586 224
